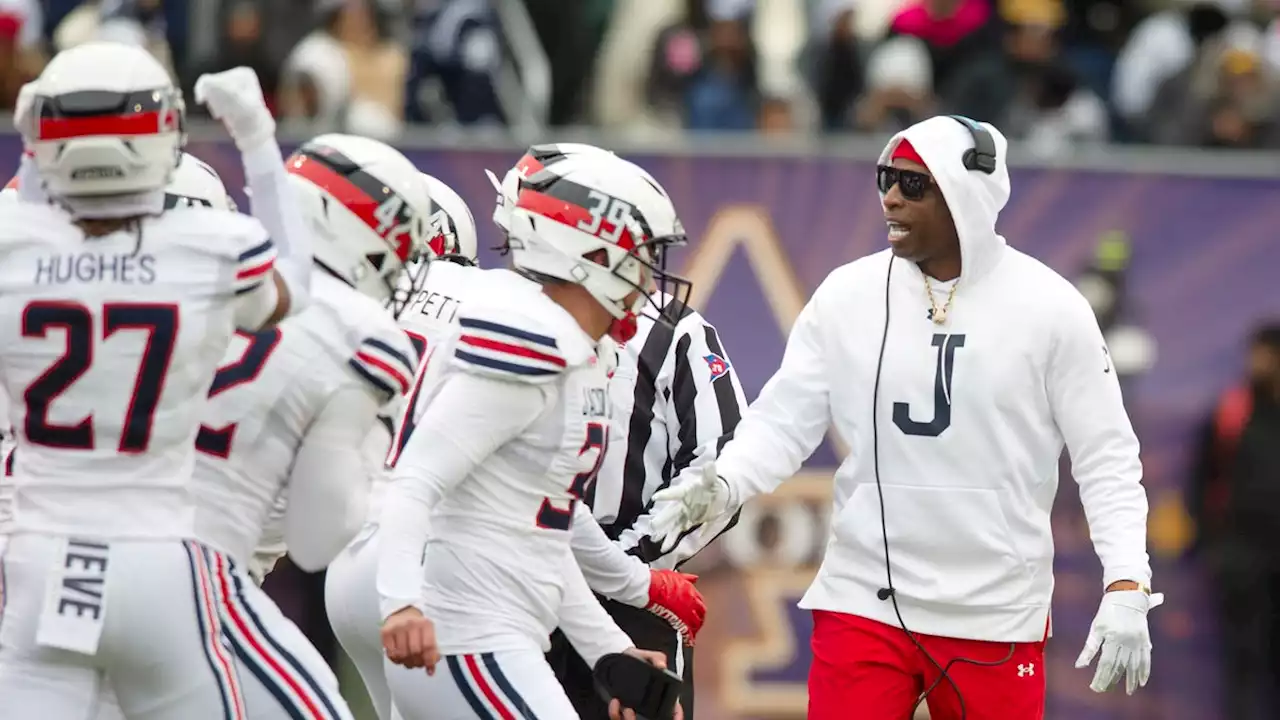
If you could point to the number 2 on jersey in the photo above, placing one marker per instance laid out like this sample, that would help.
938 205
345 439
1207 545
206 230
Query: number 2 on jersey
39 318
552 517
217 441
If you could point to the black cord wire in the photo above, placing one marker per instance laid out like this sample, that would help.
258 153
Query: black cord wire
890 593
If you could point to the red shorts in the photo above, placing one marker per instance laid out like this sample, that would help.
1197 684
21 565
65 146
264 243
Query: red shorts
871 671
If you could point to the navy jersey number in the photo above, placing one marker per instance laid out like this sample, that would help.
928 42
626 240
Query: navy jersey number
75 321
553 518
946 345
217 441
407 423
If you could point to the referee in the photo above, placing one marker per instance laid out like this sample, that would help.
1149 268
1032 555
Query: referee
676 403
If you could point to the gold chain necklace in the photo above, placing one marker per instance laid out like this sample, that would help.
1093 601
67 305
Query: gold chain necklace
939 314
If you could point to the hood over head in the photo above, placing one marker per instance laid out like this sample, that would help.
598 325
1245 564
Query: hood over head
974 198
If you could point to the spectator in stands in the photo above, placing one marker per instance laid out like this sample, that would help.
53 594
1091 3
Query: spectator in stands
358 35
704 69
1160 47
899 87
456 60
964 39
241 43
20 57
838 62
1228 97
1091 38
1235 502
1049 108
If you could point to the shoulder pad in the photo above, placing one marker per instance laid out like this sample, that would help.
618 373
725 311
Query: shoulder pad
387 361
516 347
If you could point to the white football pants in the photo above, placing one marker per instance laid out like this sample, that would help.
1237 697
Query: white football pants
169 627
485 686
351 598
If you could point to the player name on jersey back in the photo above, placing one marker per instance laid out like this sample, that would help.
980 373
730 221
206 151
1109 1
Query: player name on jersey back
89 266
110 344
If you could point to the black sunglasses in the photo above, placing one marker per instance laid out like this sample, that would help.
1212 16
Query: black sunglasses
911 183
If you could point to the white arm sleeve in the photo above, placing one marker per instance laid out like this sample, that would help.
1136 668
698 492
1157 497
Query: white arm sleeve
608 569
584 621
1084 395
274 205
254 308
329 482
466 421
784 425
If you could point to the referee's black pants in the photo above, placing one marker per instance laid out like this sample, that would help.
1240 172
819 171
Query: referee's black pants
647 631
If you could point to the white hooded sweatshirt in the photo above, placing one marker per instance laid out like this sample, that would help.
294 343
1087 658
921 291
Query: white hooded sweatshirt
970 418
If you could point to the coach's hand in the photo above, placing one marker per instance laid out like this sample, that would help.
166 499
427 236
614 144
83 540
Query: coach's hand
409 639
1120 632
656 659
234 98
696 496
673 598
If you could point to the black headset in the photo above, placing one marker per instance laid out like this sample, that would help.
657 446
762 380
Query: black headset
979 158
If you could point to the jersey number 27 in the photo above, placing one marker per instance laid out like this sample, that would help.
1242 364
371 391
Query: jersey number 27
77 324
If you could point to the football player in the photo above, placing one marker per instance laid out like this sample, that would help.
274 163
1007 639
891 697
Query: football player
118 312
513 430
350 595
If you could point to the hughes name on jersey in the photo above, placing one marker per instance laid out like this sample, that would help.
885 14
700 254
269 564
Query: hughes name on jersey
110 344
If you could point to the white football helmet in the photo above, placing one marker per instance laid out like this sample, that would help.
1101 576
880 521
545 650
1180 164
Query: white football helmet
452 228
195 184
369 209
106 120
601 222
536 158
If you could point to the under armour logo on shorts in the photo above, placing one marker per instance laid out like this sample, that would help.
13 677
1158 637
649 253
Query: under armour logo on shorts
1025 670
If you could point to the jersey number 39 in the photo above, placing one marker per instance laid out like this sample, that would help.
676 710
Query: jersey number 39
552 517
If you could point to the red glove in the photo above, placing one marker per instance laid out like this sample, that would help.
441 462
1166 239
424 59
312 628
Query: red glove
673 598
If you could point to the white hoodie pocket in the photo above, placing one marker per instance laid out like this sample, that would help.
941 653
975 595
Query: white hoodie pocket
946 545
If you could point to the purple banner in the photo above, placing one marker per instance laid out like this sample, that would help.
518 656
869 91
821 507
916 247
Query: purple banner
766 231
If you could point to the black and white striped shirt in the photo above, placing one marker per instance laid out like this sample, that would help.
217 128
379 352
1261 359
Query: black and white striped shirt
676 402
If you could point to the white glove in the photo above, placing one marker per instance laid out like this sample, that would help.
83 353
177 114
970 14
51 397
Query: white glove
690 501
1120 631
234 97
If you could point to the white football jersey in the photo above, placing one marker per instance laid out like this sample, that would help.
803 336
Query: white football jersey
514 511
111 344
269 388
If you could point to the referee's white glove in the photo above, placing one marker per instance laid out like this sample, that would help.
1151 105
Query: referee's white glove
1120 632
696 496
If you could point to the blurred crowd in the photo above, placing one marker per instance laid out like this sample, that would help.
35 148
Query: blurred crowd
1055 73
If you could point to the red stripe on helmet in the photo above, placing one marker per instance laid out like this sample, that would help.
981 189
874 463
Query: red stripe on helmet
347 193
570 214
152 122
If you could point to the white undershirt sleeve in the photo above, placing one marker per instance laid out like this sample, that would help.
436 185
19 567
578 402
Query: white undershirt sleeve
608 569
787 421
1084 394
254 308
273 203
329 482
584 621
466 421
